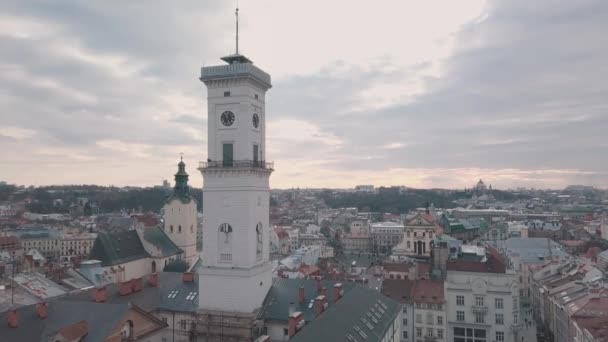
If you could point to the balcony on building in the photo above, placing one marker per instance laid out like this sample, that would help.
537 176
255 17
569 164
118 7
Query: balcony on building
235 165
479 309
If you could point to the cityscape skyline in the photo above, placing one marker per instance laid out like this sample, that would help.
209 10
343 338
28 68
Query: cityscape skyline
488 90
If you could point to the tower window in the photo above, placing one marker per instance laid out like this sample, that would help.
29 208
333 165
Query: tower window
256 96
179 229
171 229
259 244
226 93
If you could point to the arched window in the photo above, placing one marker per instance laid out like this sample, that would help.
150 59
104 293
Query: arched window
171 229
226 229
179 229
224 242
259 245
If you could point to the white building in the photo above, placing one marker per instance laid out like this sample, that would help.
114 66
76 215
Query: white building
482 298
385 235
420 230
235 257
180 216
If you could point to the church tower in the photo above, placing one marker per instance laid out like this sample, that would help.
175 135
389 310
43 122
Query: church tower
181 217
236 273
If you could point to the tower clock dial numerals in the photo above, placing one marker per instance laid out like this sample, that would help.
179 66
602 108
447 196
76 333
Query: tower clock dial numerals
227 118
255 120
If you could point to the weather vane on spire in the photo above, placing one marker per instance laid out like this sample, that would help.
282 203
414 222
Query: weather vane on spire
181 156
236 13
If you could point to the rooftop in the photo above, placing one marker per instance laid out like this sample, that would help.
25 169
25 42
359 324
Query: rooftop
286 291
492 262
237 69
531 250
428 291
399 290
117 247
361 315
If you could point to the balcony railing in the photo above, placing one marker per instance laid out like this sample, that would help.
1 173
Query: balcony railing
236 164
480 309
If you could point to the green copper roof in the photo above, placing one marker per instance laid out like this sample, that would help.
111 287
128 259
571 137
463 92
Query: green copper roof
157 237
117 248
181 190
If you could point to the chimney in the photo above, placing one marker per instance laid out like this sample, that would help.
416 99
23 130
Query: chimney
323 291
188 277
292 326
154 279
319 286
292 308
338 292
137 284
301 297
125 288
99 294
12 317
41 308
319 305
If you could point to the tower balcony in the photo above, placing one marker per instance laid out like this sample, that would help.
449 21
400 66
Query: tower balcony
235 70
235 165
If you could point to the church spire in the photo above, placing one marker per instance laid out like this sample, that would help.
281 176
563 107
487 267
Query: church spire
181 189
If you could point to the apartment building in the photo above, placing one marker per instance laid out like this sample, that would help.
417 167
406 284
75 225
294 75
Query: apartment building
482 297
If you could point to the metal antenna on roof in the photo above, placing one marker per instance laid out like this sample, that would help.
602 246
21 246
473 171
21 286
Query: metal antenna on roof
236 13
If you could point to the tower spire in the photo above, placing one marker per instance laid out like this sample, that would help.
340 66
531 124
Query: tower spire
236 13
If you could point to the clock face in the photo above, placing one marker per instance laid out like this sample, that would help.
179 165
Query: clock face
255 120
227 118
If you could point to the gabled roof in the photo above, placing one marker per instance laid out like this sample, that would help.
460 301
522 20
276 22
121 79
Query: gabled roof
362 314
115 248
285 291
157 237
172 294
399 290
428 291
102 319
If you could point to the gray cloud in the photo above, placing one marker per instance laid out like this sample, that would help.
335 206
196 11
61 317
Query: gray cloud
523 89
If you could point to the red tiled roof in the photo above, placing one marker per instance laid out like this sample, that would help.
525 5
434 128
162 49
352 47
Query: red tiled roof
428 291
9 240
597 327
399 290
398 267
572 243
309 270
423 268
148 220
495 263
75 332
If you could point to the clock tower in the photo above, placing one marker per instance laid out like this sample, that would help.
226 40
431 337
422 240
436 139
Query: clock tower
236 274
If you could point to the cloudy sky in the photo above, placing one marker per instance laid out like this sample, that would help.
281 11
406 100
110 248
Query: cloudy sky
416 93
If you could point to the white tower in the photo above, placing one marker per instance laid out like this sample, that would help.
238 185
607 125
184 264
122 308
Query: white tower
236 272
181 217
